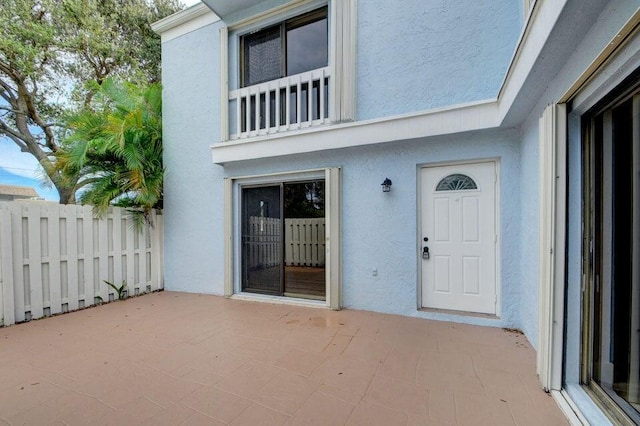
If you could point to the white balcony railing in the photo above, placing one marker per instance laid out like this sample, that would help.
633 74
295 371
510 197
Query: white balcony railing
294 102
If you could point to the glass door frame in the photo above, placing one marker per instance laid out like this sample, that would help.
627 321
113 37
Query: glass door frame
231 233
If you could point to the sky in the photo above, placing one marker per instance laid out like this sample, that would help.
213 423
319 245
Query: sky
20 168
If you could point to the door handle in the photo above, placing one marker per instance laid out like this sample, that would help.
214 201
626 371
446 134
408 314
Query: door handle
425 253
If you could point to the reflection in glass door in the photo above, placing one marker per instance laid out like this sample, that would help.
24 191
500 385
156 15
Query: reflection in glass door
304 234
283 239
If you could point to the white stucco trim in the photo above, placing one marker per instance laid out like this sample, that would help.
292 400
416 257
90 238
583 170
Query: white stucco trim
184 22
333 212
228 236
224 83
343 53
553 178
542 19
441 121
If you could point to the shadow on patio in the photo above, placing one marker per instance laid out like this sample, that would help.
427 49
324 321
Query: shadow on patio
176 358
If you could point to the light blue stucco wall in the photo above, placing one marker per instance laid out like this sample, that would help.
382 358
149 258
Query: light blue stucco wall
192 185
415 55
530 224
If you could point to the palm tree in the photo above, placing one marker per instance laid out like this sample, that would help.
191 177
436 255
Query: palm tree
115 145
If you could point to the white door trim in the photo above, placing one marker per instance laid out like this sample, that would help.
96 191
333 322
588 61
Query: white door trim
498 229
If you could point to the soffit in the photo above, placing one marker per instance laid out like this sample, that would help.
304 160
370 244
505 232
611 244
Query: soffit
572 26
224 8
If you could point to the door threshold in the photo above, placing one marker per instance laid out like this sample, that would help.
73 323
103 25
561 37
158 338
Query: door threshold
291 295
459 313
254 297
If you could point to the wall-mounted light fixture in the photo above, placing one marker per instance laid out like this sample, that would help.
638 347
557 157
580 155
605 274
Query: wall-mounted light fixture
386 185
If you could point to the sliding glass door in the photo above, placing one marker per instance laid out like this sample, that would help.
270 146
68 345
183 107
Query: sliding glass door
611 307
283 239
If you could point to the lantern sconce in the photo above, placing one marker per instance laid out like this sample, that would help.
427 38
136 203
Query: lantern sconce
386 185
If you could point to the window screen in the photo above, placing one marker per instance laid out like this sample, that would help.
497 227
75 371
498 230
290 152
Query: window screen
262 56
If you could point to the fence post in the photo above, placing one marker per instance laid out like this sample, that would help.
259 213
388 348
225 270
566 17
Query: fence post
7 309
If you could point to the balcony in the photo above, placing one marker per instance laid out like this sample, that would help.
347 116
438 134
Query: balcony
294 102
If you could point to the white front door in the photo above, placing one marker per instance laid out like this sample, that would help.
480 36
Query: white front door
458 237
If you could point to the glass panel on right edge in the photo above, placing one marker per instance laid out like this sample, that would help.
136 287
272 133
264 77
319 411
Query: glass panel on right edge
615 316
307 47
304 240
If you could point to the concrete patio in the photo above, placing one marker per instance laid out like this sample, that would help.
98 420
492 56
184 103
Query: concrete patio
176 358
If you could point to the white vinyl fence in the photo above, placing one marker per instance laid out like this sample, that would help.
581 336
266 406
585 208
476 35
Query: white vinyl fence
54 258
304 242
262 242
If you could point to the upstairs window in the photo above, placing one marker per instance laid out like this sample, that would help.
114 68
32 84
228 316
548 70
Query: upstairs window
291 47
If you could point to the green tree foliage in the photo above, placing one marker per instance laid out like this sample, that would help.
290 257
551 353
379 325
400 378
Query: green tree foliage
116 148
304 200
53 56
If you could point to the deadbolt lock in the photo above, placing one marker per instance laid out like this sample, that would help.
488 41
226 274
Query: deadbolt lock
425 253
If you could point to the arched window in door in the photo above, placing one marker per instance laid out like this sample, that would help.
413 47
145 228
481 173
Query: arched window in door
456 182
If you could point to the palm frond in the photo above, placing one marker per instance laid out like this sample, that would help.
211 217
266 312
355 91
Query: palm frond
117 147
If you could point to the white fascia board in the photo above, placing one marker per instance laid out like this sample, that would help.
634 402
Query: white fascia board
542 20
443 121
184 22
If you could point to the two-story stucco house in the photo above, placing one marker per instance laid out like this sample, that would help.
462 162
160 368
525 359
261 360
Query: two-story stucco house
473 161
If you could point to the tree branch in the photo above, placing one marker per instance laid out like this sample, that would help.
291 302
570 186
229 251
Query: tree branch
8 109
35 116
13 135
10 72
7 92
